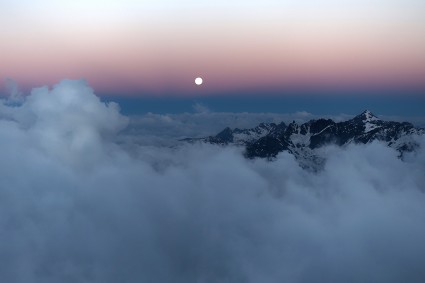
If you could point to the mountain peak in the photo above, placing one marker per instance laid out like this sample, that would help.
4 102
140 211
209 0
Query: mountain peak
226 134
367 116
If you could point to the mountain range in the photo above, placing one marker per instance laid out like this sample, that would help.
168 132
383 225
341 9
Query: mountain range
267 140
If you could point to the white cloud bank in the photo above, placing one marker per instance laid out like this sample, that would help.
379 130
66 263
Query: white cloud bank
75 206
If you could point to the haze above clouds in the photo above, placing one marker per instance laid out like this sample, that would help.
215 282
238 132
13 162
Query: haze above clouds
77 204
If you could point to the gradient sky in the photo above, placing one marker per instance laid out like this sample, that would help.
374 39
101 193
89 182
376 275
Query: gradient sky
155 47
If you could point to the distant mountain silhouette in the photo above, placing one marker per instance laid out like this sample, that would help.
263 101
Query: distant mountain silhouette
302 140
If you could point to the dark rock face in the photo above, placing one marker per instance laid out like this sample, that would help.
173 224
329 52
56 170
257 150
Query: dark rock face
266 147
268 140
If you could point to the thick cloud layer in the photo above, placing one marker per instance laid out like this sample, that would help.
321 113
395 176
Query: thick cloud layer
76 206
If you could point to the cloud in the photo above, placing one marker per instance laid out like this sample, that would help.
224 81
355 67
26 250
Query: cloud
77 205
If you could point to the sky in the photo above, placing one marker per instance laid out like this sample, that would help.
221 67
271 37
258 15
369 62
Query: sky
157 48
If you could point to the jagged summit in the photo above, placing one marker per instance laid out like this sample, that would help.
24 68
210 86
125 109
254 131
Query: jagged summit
367 121
367 116
304 140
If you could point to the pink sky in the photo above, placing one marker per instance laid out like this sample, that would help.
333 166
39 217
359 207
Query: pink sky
151 48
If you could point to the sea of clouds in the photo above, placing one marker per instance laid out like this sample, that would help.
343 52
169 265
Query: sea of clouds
85 198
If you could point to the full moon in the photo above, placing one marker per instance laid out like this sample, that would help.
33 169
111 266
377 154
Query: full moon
198 81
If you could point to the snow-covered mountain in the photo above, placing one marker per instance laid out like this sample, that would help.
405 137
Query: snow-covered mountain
304 140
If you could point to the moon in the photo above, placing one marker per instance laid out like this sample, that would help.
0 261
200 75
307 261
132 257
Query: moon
198 81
